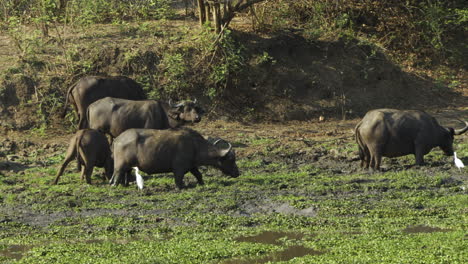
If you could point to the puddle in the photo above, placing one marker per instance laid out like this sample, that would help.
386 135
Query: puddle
285 255
424 229
15 251
274 238
270 237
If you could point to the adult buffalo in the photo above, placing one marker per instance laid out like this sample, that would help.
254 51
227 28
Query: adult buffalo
395 133
172 150
92 88
113 115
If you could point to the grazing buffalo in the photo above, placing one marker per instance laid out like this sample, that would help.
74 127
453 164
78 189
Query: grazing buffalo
92 88
172 150
92 149
113 116
395 133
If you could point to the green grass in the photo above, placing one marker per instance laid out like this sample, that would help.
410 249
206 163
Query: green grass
359 217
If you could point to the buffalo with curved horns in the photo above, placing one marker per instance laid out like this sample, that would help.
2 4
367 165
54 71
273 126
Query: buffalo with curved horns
173 150
395 133
92 88
113 115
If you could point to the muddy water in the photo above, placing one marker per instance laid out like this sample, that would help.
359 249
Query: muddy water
270 237
15 251
274 238
285 255
423 229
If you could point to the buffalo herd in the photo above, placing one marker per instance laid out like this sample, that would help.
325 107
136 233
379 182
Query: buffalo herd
148 134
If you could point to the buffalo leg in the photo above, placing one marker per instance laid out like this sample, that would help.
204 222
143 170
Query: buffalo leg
126 180
108 168
378 160
88 172
366 162
366 158
362 156
419 156
112 179
179 179
375 157
371 161
78 164
197 175
83 173
117 177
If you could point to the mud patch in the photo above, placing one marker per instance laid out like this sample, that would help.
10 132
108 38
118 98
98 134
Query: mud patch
27 216
15 251
284 255
275 238
269 206
270 237
424 229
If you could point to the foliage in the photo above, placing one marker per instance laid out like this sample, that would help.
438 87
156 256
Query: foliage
175 68
229 63
84 12
427 29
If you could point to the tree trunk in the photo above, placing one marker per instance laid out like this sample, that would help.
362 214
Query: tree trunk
222 17
217 17
207 11
201 11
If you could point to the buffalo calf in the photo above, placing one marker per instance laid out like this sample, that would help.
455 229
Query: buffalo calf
92 149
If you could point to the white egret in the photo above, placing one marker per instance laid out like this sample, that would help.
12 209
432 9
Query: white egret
458 163
139 179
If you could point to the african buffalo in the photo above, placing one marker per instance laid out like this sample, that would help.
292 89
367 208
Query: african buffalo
92 149
395 133
113 116
92 88
172 150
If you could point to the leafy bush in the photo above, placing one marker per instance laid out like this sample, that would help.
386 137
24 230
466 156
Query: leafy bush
229 63
84 12
175 69
431 29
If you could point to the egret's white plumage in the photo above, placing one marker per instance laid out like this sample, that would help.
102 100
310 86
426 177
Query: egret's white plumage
139 179
458 162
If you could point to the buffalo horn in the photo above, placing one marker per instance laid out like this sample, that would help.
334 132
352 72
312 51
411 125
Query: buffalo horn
175 105
462 130
223 152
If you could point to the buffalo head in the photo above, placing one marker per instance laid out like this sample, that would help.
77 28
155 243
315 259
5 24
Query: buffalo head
226 159
187 111
447 142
